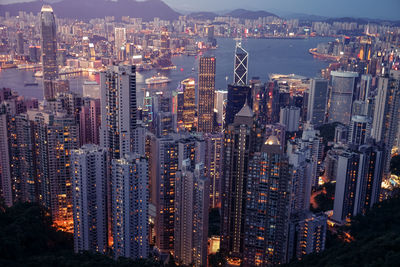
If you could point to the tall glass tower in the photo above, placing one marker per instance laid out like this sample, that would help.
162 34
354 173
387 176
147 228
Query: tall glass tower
241 65
49 50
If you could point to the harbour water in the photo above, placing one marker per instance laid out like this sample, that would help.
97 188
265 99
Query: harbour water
266 56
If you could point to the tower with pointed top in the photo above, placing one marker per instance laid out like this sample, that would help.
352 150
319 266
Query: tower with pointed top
241 142
48 39
241 65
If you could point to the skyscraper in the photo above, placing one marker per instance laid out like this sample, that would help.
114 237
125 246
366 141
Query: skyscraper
317 100
90 172
118 110
240 145
20 43
241 65
267 206
90 121
191 215
55 136
119 39
189 103
343 85
49 50
130 207
386 114
206 94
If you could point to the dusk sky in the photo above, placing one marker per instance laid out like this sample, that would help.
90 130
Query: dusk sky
385 9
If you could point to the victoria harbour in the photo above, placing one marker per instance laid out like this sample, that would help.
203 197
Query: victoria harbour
266 56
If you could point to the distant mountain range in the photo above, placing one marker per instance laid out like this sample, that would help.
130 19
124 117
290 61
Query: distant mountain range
237 13
149 9
89 9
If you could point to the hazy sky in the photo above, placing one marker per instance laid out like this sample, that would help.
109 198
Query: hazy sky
387 9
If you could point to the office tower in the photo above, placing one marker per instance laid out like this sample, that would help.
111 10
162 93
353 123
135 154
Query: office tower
55 136
164 123
342 91
189 103
317 100
20 43
240 144
118 110
272 102
206 94
119 38
214 160
237 97
210 35
90 180
267 206
49 50
220 106
359 130
241 66
290 117
165 58
34 53
130 206
163 165
191 215
358 179
386 114
90 121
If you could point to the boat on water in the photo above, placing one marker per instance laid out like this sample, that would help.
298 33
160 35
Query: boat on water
31 84
157 80
38 74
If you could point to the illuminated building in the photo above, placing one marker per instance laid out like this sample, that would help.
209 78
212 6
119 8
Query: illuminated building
189 104
267 206
49 50
308 233
5 172
130 207
317 101
386 113
360 130
191 215
241 65
340 103
358 181
90 172
163 165
55 136
90 121
118 110
120 39
206 89
214 160
240 144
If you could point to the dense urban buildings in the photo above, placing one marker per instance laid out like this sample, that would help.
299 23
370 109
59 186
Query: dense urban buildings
145 143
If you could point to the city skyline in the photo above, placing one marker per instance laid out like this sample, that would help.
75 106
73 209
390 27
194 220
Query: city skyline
286 8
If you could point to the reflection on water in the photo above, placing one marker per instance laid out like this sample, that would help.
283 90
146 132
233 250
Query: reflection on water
266 56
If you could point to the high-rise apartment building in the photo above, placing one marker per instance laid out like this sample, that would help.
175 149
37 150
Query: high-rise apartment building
90 122
267 206
206 87
90 172
119 39
386 113
118 110
49 50
191 215
130 207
